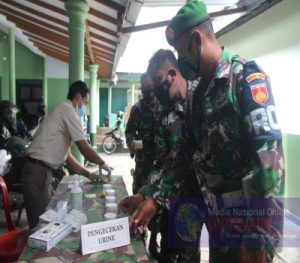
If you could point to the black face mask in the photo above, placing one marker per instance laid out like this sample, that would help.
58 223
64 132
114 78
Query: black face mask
148 94
162 93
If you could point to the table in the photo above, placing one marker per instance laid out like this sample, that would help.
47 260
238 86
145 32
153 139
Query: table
68 250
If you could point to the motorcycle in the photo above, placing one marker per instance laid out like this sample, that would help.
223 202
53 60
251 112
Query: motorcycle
13 149
114 139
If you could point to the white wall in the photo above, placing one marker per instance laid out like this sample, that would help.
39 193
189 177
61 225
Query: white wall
273 40
57 69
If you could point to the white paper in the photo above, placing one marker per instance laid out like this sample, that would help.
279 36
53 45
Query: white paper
76 219
105 235
51 215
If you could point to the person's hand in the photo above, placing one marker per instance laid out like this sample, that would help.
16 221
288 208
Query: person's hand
95 176
130 203
132 149
136 146
143 215
106 168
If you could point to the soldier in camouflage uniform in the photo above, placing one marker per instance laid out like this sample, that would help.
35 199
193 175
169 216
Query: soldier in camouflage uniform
176 189
232 121
167 162
173 184
141 126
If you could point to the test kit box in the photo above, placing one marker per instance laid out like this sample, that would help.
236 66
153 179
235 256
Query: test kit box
49 235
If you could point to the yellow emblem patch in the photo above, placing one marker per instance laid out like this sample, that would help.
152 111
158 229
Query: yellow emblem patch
259 93
254 76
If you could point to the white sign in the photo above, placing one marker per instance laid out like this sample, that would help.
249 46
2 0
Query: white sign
104 235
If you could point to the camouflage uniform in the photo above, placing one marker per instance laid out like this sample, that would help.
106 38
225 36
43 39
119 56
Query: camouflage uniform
173 155
141 125
233 123
173 185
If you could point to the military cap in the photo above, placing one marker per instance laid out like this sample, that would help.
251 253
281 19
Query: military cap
188 16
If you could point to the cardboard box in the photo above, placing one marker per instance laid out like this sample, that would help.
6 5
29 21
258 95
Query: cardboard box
49 235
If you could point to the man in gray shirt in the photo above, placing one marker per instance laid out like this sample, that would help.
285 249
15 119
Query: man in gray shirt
50 148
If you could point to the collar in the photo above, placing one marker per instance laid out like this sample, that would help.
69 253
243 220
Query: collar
147 102
70 103
223 68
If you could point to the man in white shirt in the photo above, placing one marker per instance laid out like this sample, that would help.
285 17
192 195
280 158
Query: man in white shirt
50 148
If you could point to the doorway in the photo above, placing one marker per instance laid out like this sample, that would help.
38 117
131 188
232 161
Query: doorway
29 97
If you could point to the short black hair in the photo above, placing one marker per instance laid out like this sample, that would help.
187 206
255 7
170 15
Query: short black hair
160 58
77 87
143 77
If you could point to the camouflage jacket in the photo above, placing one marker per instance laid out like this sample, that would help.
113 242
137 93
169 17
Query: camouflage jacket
174 173
142 124
233 123
169 131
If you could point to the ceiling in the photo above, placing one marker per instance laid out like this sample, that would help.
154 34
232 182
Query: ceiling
42 25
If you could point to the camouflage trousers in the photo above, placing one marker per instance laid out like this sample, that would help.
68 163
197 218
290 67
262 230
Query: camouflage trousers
171 254
236 237
181 227
143 167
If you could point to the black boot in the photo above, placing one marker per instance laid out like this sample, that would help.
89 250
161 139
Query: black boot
153 247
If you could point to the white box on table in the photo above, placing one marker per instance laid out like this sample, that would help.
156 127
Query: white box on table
49 235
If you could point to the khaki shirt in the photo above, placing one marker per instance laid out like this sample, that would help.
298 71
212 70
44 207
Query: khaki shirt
55 135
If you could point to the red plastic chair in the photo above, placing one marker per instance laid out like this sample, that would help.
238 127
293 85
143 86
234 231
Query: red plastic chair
13 242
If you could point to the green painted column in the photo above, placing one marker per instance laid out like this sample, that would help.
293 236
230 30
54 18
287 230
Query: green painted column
93 102
109 100
77 12
132 94
98 102
12 66
45 83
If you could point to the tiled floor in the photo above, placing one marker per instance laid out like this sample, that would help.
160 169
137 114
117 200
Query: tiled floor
122 163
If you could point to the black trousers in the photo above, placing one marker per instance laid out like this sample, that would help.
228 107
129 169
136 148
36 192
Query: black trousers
37 190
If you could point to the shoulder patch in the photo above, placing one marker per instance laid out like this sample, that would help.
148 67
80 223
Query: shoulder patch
259 93
253 76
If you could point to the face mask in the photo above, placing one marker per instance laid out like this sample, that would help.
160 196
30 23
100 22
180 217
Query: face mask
81 110
190 69
148 94
162 93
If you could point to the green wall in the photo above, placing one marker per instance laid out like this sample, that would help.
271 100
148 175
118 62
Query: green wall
103 104
119 103
57 92
291 144
4 69
28 66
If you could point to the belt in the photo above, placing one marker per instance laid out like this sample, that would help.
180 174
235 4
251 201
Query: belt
226 200
38 162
